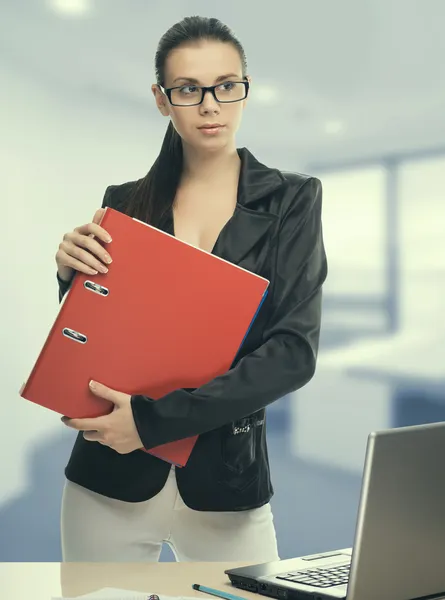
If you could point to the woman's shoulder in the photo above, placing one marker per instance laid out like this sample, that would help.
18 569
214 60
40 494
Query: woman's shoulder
300 191
116 195
297 180
291 190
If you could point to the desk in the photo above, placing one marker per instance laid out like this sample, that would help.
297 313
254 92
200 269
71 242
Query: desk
43 581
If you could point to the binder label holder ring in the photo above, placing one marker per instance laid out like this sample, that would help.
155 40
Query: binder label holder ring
96 288
74 335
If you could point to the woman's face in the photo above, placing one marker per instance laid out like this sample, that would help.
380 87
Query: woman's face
203 64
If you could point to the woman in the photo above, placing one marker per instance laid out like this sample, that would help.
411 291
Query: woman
121 504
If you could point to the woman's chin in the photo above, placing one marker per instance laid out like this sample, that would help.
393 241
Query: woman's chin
212 143
208 143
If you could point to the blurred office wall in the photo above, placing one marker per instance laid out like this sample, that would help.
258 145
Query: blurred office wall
350 92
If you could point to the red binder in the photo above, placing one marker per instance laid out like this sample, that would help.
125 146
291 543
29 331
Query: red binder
167 315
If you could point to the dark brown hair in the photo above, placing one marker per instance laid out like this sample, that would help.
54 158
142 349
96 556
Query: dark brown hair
154 195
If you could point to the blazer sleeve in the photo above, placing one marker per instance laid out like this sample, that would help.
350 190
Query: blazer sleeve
64 286
284 362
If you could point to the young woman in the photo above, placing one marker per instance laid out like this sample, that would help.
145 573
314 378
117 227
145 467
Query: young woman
121 504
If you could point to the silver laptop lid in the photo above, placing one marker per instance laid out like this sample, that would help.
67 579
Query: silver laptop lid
400 532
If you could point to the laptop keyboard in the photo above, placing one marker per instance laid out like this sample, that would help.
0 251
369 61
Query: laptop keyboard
322 577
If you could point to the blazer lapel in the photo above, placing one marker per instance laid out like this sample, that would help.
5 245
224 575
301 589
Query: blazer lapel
248 226
244 230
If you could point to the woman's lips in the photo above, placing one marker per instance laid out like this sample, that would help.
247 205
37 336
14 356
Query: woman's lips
211 129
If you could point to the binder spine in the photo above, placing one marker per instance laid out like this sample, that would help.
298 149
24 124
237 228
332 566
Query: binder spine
252 322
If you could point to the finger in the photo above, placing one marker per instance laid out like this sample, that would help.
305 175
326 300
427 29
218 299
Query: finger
95 424
74 257
98 215
105 392
75 254
89 244
97 218
81 238
65 260
79 264
95 229
93 436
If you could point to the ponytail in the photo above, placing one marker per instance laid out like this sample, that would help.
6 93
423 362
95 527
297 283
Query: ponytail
154 196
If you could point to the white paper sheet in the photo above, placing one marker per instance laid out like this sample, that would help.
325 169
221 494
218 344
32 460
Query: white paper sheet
119 594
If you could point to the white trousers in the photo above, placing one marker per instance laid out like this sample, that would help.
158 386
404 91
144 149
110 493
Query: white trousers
95 528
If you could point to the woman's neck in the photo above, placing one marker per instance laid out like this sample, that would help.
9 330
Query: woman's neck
209 168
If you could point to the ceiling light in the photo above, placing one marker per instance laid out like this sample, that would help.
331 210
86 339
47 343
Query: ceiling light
265 94
71 8
333 127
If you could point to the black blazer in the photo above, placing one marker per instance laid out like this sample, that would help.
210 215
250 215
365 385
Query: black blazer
275 232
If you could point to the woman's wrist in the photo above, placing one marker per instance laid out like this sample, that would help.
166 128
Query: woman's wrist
65 274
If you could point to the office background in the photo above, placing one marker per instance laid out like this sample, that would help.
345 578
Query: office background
353 92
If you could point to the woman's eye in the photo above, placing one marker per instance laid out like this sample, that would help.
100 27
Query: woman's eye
227 86
188 89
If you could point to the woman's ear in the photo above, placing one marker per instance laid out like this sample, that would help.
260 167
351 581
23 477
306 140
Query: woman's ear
249 79
161 99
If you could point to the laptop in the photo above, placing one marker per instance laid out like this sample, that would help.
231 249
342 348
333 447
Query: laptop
399 546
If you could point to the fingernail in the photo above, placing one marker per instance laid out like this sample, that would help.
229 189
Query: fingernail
103 269
92 384
109 240
108 258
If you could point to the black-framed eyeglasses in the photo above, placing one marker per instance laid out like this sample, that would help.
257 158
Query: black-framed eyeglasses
191 95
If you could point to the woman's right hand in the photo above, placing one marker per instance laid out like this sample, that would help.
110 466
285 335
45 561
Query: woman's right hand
80 251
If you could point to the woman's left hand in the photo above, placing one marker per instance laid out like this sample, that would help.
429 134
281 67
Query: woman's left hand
117 429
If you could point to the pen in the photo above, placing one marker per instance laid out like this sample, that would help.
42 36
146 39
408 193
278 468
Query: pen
212 592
